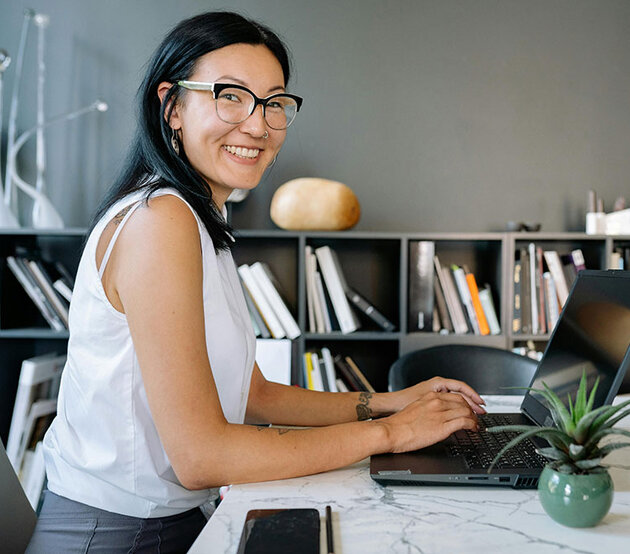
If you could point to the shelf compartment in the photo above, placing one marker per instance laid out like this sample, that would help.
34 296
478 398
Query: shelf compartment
373 358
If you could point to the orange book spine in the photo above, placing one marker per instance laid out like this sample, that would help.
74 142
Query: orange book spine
474 293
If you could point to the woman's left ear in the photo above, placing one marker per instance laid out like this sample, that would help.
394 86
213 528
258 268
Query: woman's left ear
162 89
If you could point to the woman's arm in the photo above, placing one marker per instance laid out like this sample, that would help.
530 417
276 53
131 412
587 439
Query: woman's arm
156 277
284 405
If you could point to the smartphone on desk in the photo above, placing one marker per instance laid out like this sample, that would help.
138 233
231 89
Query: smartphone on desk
283 531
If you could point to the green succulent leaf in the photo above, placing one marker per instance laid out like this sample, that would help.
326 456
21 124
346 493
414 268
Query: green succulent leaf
543 432
580 398
607 413
559 409
588 464
616 419
576 450
585 426
594 440
553 454
608 448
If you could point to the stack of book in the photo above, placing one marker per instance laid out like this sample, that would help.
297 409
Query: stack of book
542 280
323 371
270 315
34 409
49 286
331 302
445 299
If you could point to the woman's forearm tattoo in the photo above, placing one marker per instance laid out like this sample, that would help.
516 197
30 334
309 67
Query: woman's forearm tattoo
280 430
363 407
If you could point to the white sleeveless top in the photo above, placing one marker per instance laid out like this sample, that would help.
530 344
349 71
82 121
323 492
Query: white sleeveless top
103 448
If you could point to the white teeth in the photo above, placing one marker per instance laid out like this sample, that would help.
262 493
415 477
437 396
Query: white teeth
242 152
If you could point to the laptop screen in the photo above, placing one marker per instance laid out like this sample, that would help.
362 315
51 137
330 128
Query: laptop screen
592 335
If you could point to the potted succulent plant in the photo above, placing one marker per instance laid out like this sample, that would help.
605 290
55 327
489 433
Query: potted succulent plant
575 488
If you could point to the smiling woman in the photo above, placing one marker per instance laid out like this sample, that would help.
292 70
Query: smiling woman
161 383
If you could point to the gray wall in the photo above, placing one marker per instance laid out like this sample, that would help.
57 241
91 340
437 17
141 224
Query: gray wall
442 115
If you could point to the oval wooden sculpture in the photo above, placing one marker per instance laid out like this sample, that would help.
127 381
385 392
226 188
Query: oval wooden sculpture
312 204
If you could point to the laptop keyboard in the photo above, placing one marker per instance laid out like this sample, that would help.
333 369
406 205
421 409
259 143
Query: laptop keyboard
479 448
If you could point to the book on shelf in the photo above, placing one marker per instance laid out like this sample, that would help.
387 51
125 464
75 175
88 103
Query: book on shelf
485 297
317 377
260 329
346 373
555 269
421 293
329 368
353 366
451 296
516 304
552 310
46 285
23 273
482 322
326 324
39 379
311 291
262 304
526 284
270 289
33 411
336 285
546 277
440 304
465 298
369 310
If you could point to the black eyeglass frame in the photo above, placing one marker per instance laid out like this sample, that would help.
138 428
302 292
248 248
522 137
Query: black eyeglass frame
216 89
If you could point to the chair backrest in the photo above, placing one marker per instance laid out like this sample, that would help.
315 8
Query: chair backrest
487 370
17 517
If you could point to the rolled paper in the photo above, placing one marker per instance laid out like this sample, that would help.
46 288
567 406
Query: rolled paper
313 204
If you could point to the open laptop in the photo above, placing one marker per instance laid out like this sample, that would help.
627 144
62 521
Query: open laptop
592 334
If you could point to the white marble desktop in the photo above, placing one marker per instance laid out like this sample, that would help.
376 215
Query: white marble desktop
369 518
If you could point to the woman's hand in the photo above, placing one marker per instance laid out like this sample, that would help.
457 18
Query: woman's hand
432 417
439 384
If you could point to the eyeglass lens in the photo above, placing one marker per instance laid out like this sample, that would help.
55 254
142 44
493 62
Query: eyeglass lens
235 105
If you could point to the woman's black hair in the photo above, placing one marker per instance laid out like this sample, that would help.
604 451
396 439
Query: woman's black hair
151 153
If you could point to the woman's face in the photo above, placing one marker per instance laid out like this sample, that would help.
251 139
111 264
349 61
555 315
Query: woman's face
210 143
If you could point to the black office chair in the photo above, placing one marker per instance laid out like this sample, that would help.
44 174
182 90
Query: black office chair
487 370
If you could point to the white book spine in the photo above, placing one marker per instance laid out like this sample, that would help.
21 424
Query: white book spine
33 483
322 302
310 289
341 386
35 293
318 383
275 301
49 291
272 322
464 293
63 289
555 268
459 321
329 364
320 324
553 312
488 309
335 290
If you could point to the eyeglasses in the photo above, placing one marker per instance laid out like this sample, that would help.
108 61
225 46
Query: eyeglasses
235 103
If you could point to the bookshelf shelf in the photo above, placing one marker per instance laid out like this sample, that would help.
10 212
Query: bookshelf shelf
376 264
33 333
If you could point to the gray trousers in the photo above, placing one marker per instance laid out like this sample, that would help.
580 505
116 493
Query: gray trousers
66 526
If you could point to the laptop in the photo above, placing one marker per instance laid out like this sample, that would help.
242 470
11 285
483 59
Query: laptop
592 334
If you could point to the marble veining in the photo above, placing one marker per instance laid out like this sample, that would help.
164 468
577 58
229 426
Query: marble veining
369 518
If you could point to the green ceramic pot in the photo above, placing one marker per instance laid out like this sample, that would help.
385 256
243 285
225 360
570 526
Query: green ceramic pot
575 500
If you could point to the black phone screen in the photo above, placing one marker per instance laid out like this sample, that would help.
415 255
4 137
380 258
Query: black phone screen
284 531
